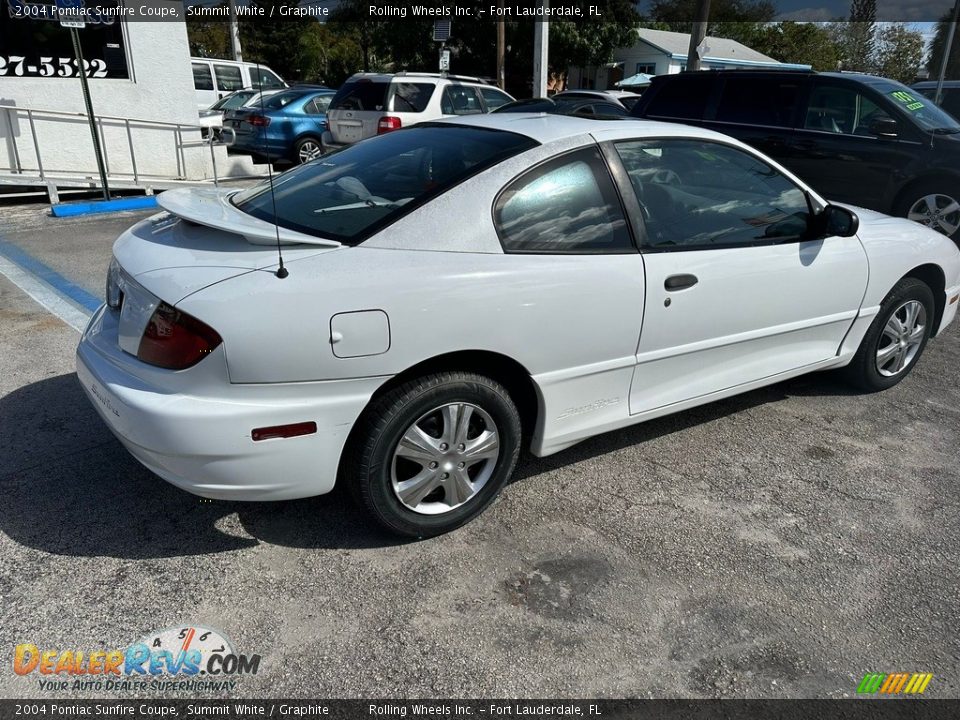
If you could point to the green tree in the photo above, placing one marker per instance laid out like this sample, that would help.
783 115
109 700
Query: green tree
899 53
793 42
939 46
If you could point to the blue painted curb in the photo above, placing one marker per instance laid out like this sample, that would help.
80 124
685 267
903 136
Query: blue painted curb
103 206
59 283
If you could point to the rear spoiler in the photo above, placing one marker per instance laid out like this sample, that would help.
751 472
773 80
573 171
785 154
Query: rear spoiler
212 207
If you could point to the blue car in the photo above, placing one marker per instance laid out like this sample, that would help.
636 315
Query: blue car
286 126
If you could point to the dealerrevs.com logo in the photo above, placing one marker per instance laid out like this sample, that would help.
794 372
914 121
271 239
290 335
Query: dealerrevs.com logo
193 659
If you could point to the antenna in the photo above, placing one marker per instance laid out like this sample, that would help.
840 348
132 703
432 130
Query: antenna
281 270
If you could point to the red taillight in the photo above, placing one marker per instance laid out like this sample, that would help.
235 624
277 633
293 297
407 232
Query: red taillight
175 340
258 120
284 431
387 124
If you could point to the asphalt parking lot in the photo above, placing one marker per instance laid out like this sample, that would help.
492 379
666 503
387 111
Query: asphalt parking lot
778 544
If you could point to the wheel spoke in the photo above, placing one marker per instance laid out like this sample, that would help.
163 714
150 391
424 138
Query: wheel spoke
483 447
901 360
951 208
417 446
917 335
884 354
457 488
931 202
413 491
893 328
456 422
918 216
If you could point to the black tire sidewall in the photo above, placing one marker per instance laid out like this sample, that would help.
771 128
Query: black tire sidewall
864 364
399 412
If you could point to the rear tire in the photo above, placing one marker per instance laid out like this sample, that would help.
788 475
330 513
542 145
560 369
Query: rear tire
433 453
306 149
896 338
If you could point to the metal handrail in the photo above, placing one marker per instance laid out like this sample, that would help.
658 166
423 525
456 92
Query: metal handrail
139 123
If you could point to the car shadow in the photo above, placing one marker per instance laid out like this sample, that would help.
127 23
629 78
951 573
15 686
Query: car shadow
69 488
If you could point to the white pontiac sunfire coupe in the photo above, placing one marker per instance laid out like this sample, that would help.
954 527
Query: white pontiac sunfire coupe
450 289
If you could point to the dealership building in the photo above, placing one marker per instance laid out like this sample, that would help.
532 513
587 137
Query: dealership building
142 90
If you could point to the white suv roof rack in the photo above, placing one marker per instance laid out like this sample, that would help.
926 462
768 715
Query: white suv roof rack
466 78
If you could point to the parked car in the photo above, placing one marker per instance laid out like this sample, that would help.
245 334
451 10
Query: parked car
856 138
370 104
287 125
581 107
214 79
950 101
623 97
212 117
456 289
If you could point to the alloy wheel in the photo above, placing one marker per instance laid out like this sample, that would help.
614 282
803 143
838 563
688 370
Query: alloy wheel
901 338
309 150
940 212
445 458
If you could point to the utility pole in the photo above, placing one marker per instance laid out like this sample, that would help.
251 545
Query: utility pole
88 103
235 33
698 34
948 48
501 49
541 49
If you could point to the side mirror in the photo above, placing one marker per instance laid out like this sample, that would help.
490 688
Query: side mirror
836 221
884 127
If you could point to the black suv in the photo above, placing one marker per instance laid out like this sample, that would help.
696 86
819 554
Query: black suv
857 139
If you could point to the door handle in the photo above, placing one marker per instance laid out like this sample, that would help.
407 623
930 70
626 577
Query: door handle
680 282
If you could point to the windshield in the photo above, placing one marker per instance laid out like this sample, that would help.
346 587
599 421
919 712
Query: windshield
927 115
352 193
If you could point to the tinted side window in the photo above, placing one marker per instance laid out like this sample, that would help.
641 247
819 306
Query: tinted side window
567 205
411 97
318 105
460 100
228 77
758 101
685 97
841 110
202 77
696 195
494 98
264 79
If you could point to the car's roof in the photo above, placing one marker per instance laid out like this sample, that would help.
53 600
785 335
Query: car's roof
423 77
546 128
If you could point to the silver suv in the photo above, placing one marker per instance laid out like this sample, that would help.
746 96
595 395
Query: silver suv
371 104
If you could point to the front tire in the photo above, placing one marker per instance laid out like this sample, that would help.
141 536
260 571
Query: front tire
896 339
433 453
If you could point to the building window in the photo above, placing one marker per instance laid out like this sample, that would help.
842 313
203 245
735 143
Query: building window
38 46
647 68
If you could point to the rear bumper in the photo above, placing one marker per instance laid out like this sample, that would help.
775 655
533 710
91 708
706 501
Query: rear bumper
199 437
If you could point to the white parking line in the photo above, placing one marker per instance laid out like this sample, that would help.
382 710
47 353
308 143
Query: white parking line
41 291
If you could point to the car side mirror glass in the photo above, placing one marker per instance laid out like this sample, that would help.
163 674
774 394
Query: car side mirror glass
884 127
838 221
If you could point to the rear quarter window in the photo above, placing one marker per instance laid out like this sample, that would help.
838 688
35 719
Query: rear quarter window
412 97
686 97
758 101
361 95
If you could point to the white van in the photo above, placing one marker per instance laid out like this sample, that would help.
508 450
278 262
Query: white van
214 79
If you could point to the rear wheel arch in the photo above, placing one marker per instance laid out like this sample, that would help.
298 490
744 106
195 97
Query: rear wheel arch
503 369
